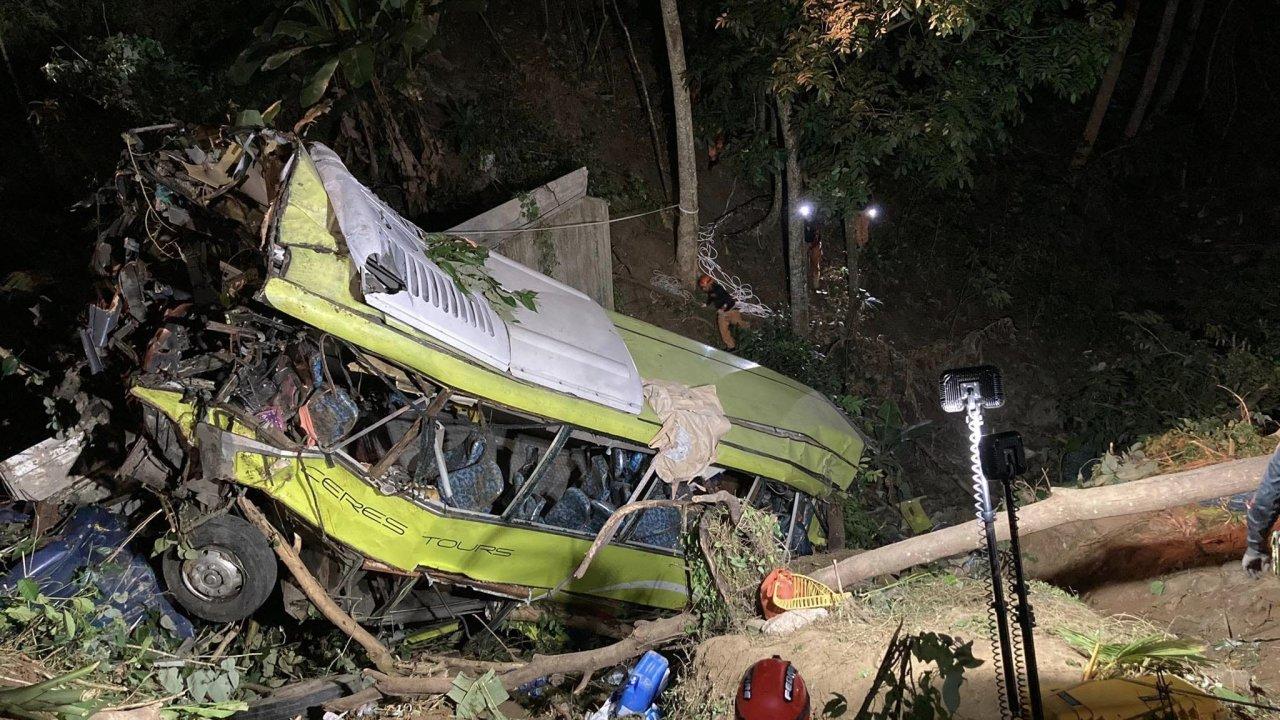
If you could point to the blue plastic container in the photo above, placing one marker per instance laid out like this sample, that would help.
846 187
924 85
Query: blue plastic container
646 681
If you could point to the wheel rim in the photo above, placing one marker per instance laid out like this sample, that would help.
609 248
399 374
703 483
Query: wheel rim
214 574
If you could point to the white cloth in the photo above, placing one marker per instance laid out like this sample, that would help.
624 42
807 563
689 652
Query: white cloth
693 422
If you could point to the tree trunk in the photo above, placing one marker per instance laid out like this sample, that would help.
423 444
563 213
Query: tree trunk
1188 49
1064 506
797 258
13 77
1108 86
643 85
1153 69
857 233
686 160
835 523
1213 48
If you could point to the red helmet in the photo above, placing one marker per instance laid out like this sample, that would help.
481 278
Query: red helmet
772 689
705 281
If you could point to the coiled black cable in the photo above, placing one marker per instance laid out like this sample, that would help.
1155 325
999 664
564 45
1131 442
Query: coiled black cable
1015 633
973 418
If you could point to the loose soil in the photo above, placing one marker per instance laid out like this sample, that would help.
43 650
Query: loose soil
841 653
1176 571
1180 571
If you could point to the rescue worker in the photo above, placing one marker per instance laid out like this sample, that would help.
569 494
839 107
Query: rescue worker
813 240
727 314
1263 512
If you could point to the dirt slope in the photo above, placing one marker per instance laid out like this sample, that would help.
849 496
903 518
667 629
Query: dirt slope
841 654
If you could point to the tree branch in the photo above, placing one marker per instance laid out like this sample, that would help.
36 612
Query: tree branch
647 635
311 587
611 525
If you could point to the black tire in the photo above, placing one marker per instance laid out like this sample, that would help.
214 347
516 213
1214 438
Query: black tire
237 549
297 699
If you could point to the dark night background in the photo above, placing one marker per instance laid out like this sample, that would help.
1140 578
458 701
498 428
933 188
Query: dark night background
1120 298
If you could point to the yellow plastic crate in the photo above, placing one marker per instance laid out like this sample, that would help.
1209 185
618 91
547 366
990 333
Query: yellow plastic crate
807 593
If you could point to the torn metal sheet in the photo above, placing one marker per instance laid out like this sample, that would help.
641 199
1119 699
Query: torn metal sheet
567 343
97 332
44 469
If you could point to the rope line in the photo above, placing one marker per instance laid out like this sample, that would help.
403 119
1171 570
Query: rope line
743 294
569 226
394 217
745 300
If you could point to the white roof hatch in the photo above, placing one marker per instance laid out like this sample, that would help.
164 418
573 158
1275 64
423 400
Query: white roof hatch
569 344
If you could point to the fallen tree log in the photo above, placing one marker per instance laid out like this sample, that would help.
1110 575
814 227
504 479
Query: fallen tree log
647 635
1065 505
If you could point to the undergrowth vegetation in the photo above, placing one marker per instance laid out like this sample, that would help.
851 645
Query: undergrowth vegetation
834 371
728 564
952 608
96 658
1145 654
1164 374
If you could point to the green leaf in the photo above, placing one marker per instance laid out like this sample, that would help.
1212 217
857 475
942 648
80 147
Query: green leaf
1228 694
170 680
319 83
1157 587
417 36
28 589
526 298
162 545
25 694
294 29
69 622
249 118
245 65
22 614
284 56
343 13
357 64
269 115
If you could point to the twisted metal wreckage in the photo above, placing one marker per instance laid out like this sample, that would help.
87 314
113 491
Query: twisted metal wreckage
447 430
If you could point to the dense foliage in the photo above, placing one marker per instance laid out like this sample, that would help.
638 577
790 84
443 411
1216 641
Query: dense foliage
891 88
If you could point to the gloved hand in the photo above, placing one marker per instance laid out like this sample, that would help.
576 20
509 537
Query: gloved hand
1255 563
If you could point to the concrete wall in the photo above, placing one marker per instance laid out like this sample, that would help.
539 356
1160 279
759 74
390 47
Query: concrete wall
580 257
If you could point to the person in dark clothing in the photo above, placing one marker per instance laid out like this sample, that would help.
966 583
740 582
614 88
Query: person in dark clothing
813 240
727 313
1263 512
